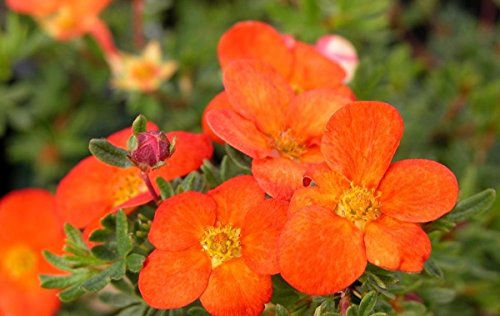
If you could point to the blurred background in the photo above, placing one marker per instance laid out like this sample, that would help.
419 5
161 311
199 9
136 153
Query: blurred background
437 61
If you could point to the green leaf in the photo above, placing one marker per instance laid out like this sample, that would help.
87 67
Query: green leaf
352 310
438 295
197 311
280 310
166 189
123 241
135 262
62 281
473 205
211 174
71 293
432 269
101 235
109 221
97 282
105 252
74 238
58 261
133 310
367 303
117 270
139 124
118 300
106 152
240 159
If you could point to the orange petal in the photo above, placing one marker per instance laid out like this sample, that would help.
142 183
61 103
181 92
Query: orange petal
320 253
35 302
361 139
34 7
180 221
252 40
190 151
309 112
279 177
239 132
84 194
235 290
174 279
260 94
220 102
395 245
329 185
260 235
235 198
311 70
418 190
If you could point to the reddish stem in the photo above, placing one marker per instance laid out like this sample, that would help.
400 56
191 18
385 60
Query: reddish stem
149 185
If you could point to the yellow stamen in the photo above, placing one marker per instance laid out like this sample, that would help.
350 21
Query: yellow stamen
20 261
127 186
359 205
288 145
143 70
221 243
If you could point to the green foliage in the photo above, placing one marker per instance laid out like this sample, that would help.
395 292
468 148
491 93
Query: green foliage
106 152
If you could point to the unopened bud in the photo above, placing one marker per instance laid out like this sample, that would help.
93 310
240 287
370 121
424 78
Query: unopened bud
341 51
152 149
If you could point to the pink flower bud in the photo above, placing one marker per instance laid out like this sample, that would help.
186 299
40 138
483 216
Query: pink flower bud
341 51
152 149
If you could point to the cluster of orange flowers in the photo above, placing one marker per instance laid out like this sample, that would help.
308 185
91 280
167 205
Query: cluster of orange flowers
324 198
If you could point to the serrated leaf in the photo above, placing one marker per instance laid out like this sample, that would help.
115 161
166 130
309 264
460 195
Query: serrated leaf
58 261
367 304
106 152
74 237
139 124
135 262
105 252
166 189
97 282
123 241
432 269
473 205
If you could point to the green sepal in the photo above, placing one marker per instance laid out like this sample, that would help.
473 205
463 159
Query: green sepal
476 204
139 125
106 152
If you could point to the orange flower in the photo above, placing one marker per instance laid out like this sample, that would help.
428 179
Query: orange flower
299 63
280 130
362 208
29 225
142 73
65 19
93 189
220 247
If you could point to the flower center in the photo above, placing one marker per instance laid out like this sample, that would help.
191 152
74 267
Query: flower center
359 205
128 184
221 243
20 261
287 145
143 70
